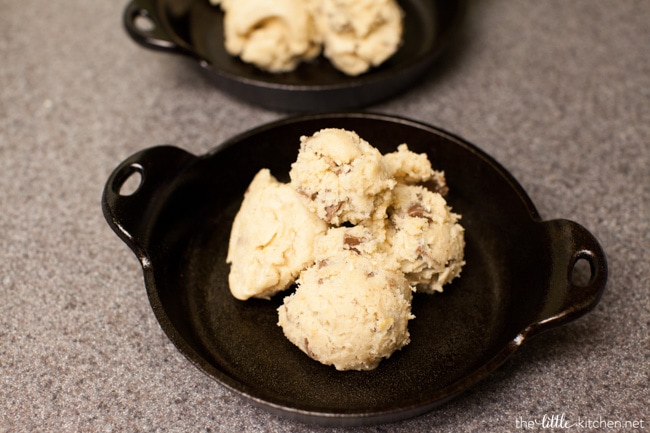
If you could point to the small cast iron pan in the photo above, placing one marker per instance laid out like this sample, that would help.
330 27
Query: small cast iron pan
518 281
195 28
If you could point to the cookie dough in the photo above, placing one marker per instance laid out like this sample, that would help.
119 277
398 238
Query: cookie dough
361 239
358 232
277 35
358 34
341 177
273 35
425 237
272 239
412 168
347 312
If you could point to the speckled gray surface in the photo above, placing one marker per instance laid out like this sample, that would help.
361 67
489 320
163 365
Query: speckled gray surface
557 91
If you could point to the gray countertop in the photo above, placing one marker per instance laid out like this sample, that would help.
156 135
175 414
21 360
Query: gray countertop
557 91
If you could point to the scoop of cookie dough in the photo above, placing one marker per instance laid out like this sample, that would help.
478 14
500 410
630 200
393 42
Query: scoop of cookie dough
273 35
425 238
272 239
361 239
347 312
412 168
341 177
358 34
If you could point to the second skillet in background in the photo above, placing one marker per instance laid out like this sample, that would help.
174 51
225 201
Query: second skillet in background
194 28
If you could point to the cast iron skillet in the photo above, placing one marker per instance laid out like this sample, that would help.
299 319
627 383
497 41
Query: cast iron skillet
194 28
517 281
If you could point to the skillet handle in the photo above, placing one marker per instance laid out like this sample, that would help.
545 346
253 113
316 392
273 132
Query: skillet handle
129 208
568 298
143 24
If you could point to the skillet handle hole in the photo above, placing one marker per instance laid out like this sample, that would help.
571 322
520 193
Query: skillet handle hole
144 23
582 272
131 181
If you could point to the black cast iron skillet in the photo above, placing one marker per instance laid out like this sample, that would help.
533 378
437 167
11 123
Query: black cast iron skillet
518 280
194 28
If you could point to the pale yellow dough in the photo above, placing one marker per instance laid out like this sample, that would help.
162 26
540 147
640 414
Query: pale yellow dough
341 177
274 35
347 312
358 232
409 167
358 34
277 35
272 239
425 237
361 239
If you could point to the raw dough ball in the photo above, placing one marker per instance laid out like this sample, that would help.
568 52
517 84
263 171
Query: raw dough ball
425 237
358 34
347 312
341 177
273 35
412 168
407 166
360 239
272 239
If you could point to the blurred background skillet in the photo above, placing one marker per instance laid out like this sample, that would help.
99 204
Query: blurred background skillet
194 28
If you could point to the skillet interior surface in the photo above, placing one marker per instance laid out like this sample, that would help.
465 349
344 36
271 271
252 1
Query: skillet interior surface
195 28
457 337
